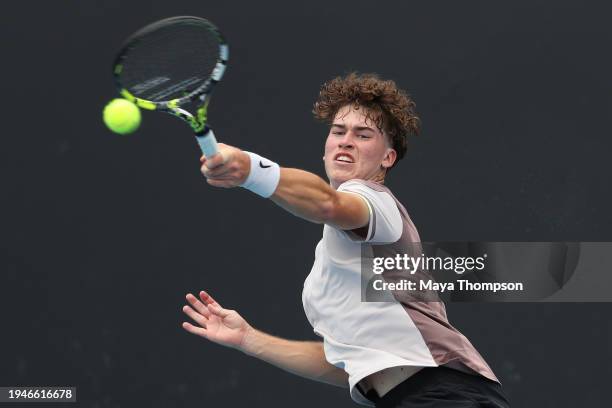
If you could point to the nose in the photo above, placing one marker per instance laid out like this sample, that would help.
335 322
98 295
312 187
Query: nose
346 141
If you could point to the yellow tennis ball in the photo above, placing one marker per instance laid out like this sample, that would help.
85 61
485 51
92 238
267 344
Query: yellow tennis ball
121 116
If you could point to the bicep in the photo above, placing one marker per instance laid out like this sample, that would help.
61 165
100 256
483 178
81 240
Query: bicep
336 376
349 211
329 373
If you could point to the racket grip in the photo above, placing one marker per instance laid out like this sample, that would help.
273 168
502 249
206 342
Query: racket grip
208 143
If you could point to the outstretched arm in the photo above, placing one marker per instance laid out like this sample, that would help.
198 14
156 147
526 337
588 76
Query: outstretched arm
303 194
228 328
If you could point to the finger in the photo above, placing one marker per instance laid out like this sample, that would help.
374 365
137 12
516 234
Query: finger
197 305
215 161
196 317
219 311
224 171
220 183
206 170
230 179
207 299
218 172
198 331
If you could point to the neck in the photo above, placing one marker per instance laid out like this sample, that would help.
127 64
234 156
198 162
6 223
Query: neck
377 178
380 177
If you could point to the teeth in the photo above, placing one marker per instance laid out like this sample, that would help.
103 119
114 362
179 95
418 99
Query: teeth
344 159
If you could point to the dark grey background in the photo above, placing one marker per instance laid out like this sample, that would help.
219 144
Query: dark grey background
102 235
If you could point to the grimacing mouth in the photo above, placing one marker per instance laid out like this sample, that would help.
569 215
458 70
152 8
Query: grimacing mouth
344 157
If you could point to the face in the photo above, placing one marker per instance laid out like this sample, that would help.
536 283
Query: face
356 148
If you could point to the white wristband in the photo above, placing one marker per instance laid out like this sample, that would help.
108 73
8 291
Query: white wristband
263 177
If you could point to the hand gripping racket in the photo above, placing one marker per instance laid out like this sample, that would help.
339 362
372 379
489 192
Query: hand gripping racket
171 65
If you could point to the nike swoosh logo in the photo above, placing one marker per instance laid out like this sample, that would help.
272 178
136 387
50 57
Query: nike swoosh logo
262 165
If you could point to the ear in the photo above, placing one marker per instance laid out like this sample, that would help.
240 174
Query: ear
389 158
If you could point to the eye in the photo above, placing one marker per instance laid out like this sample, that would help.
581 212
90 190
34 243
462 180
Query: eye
364 136
337 133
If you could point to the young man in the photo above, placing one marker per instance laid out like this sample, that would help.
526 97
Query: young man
389 354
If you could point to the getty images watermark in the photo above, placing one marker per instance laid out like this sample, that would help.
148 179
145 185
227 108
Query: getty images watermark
487 271
459 266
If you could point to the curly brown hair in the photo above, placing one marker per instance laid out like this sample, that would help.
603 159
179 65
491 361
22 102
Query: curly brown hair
390 108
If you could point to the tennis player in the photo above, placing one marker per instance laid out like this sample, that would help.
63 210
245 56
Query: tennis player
389 354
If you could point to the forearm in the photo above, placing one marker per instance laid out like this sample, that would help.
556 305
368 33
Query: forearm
307 196
303 358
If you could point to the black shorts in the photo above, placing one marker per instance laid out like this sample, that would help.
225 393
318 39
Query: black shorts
434 387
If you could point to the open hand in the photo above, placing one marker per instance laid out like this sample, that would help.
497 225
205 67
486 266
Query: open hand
219 325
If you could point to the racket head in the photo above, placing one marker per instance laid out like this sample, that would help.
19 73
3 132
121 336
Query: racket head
171 63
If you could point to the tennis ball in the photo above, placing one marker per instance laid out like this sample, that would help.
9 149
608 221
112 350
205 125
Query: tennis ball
121 116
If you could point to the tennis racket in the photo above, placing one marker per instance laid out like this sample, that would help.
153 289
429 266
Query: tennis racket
172 66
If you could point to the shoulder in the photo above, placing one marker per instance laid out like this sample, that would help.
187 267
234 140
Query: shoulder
370 190
361 184
385 223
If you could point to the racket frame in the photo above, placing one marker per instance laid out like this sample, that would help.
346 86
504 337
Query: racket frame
200 95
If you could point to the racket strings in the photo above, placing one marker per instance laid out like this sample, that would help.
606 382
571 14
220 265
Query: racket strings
170 61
